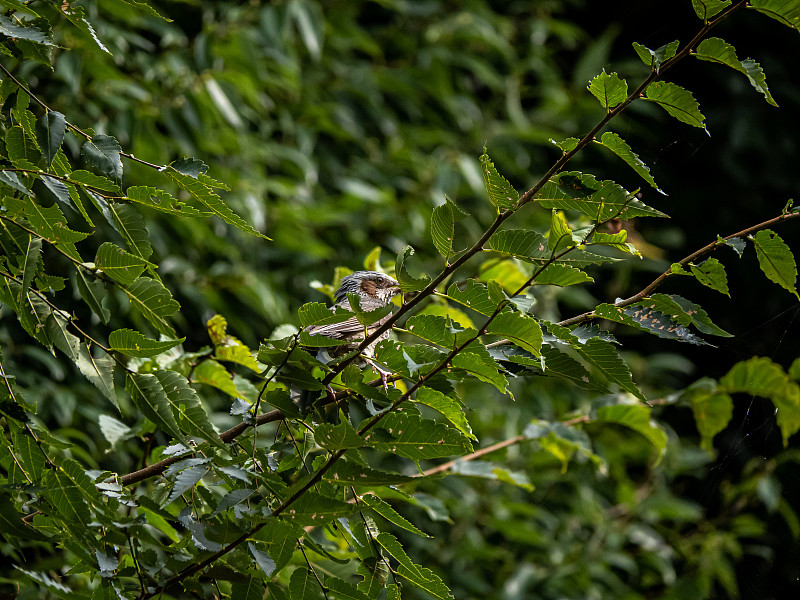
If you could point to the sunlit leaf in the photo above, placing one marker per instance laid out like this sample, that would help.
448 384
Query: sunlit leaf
719 51
655 58
638 418
677 101
786 12
408 283
410 436
449 407
604 357
500 191
707 9
118 264
609 89
154 301
711 273
776 259
620 147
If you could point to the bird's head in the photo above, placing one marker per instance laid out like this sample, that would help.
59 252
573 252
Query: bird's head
368 284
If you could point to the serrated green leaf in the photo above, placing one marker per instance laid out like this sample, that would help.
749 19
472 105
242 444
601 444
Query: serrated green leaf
609 89
214 374
620 147
22 151
135 344
655 58
248 588
337 437
118 264
759 376
93 292
449 407
408 283
412 437
304 586
707 9
348 473
99 371
51 224
50 130
163 201
719 51
786 12
532 247
443 220
604 357
677 101
500 191
438 330
315 509
649 320
566 145
30 263
421 577
712 410
711 273
87 178
520 329
56 329
31 458
316 313
385 510
101 155
776 259
345 591
11 179
562 275
36 31
636 417
475 295
154 301
475 360
615 240
206 196
149 397
130 225
598 200
684 312
185 481
65 496
560 236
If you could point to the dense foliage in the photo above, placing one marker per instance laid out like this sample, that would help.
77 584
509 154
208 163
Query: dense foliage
539 435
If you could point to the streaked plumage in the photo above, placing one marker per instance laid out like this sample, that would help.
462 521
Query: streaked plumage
375 290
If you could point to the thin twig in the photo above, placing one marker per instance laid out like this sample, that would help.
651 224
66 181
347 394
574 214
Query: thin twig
489 449
658 281
74 128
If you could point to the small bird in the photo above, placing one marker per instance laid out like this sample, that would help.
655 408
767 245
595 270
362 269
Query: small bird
375 290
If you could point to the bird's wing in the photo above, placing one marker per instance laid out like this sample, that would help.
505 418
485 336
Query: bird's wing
349 328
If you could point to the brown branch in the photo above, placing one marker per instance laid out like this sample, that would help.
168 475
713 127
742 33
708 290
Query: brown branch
489 449
658 281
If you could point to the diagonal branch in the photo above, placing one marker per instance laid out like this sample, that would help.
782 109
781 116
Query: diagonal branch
707 249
